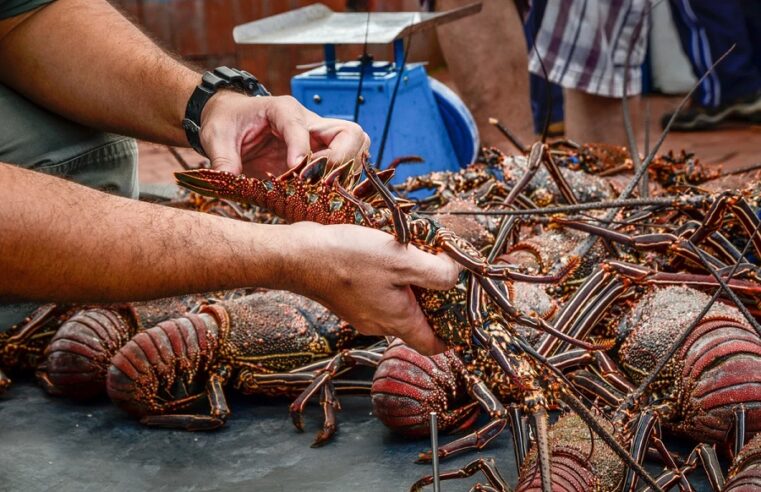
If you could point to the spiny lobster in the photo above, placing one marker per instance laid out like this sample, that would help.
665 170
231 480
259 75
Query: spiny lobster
459 316
717 368
165 369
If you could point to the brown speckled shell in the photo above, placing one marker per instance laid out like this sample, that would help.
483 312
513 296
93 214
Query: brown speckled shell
717 368
581 462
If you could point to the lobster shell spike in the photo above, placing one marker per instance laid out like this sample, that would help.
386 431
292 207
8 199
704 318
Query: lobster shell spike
340 173
296 169
315 170
366 189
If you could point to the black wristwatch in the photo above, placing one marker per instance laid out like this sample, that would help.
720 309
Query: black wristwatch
220 78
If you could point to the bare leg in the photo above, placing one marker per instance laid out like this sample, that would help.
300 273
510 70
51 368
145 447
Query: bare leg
486 56
596 119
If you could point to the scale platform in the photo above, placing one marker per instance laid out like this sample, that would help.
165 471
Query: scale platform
428 119
318 24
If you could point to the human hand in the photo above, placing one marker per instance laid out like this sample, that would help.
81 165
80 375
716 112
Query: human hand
256 135
364 275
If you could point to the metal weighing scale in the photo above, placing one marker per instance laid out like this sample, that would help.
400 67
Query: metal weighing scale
428 119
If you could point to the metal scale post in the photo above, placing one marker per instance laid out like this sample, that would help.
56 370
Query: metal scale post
428 119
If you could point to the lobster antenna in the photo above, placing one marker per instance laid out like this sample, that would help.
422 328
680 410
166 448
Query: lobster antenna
679 341
363 62
671 200
644 192
646 163
730 293
628 126
548 94
387 124
642 169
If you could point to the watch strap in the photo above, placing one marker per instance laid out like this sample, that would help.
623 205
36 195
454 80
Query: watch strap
211 82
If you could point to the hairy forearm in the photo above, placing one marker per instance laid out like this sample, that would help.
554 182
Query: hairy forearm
84 60
60 241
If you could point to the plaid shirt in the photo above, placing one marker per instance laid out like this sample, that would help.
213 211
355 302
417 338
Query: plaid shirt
584 44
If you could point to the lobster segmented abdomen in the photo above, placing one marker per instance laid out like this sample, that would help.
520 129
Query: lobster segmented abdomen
165 367
408 386
722 369
570 473
77 359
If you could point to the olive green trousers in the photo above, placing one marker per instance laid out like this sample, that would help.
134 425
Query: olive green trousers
34 138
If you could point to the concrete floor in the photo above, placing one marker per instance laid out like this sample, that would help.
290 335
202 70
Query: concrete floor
54 444
51 444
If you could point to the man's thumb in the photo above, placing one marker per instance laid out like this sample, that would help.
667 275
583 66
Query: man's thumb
224 154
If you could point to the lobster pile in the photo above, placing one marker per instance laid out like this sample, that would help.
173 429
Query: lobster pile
631 319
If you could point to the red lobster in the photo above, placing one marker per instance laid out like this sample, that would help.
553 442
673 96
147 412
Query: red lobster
165 369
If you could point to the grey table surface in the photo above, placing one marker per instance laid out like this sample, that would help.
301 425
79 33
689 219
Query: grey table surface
53 444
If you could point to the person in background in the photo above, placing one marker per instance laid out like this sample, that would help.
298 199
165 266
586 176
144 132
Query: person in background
584 46
732 91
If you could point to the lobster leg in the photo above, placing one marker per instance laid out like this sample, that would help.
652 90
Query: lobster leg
644 275
594 386
709 461
557 176
738 429
646 429
481 437
594 310
704 455
742 211
528 320
484 465
521 439
216 418
346 358
571 309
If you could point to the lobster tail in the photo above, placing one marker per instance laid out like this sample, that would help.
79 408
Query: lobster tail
408 386
164 368
580 462
77 359
570 472
722 367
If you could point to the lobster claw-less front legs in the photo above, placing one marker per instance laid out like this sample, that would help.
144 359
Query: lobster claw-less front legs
219 411
323 382
484 465
480 438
